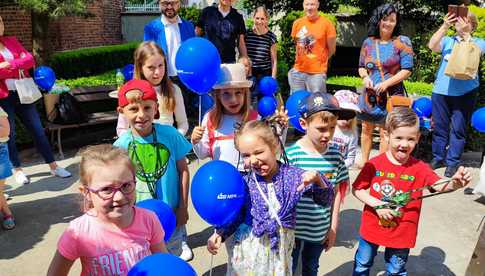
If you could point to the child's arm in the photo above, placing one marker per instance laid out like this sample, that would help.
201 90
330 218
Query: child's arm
59 266
352 152
460 179
373 202
4 127
200 139
184 177
332 232
158 248
214 243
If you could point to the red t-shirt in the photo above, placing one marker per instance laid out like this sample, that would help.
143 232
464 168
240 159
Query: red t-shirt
385 179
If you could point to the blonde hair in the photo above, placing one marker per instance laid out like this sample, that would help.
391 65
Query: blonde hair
262 9
401 117
144 51
216 113
266 130
93 157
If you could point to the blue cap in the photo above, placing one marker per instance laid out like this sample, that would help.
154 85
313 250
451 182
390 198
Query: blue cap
320 101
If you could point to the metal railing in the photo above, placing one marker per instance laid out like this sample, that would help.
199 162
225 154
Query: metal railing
147 6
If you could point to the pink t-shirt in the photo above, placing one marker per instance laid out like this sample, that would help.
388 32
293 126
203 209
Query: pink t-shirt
107 250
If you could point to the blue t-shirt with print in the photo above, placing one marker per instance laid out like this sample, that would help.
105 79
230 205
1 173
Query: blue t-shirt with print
445 85
156 161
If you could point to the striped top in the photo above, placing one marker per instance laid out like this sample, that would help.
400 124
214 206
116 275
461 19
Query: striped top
259 48
313 220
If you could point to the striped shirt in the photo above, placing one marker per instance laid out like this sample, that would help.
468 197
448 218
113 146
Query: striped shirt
313 220
259 48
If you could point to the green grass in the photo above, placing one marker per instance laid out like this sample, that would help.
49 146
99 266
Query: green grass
348 9
418 88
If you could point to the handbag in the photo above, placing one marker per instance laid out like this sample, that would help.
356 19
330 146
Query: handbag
395 100
27 89
464 61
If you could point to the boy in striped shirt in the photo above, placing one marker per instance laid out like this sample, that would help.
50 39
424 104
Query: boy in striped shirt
316 226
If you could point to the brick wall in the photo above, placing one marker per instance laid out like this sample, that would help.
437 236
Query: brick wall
103 28
18 23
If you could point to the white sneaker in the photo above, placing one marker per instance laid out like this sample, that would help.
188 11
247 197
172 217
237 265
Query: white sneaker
21 178
60 172
187 254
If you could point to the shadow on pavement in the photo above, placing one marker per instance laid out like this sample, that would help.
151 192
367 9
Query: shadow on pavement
33 219
52 183
200 239
430 262
217 271
348 229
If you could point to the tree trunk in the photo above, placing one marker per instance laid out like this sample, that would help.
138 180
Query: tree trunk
42 46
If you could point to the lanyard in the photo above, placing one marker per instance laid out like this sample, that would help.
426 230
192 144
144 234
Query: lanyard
272 210
151 184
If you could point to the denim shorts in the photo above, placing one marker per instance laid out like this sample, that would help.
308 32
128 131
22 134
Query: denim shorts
5 165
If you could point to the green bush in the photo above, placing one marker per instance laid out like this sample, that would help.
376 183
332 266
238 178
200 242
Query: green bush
190 13
417 88
106 78
91 61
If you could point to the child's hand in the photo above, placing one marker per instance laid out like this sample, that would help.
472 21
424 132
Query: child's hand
4 65
461 178
329 242
214 243
308 178
281 116
197 134
385 214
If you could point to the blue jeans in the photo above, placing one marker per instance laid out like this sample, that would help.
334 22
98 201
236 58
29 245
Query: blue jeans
30 118
304 81
310 256
395 259
451 115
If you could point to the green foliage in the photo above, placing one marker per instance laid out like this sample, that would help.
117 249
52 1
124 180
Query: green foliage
348 9
289 5
106 78
91 61
413 8
56 8
190 13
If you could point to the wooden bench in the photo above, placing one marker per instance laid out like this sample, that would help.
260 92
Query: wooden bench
91 101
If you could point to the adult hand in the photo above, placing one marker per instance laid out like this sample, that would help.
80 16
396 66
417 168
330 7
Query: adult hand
367 82
214 243
381 87
463 27
4 65
330 240
449 20
197 134
461 178
182 216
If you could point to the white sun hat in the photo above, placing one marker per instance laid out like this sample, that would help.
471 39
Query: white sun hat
348 100
232 76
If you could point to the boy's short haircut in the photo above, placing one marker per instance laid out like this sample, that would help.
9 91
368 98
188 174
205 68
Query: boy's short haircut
401 117
325 116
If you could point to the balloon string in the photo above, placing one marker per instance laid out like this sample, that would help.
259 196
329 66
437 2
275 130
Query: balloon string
200 110
212 259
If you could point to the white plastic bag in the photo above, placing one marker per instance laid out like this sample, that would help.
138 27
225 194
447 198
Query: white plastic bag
27 89
480 188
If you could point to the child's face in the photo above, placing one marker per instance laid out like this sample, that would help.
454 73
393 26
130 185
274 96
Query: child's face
257 155
154 69
344 124
260 19
140 116
232 99
112 191
319 133
402 142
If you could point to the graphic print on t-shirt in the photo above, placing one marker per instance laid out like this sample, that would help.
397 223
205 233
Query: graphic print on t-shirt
151 160
305 42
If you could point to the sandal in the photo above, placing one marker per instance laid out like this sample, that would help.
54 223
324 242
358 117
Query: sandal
8 223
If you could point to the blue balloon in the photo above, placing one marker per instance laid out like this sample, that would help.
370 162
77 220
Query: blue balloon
293 104
268 86
198 62
162 264
44 77
164 213
423 107
217 192
478 119
128 72
267 106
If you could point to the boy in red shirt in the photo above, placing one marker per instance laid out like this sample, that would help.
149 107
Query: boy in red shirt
389 174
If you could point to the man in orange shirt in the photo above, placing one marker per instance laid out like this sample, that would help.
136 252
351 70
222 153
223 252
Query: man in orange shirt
315 40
